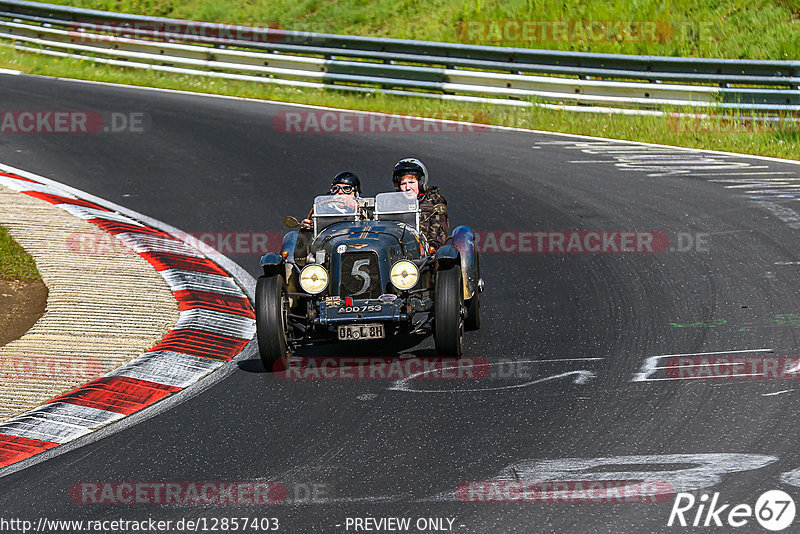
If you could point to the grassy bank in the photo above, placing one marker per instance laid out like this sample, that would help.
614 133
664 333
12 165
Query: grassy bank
754 29
15 263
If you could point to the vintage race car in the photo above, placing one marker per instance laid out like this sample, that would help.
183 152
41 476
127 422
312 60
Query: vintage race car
364 273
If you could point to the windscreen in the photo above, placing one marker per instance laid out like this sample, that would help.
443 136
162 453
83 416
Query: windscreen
331 209
399 206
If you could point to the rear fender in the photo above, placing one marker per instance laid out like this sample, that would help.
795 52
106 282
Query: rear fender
464 243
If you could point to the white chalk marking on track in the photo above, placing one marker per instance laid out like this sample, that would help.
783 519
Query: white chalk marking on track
745 174
650 364
776 393
582 377
765 184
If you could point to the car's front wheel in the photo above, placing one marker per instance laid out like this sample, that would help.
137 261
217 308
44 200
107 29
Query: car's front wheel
272 310
448 330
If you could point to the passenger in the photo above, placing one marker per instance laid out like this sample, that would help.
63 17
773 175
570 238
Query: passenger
411 175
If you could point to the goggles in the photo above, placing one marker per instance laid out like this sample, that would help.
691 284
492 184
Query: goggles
344 188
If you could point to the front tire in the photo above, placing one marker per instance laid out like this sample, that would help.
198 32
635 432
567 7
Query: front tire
272 309
448 330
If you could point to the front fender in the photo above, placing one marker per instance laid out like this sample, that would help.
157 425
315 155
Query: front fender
272 263
446 256
290 243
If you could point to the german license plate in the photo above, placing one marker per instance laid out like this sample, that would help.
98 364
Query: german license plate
358 332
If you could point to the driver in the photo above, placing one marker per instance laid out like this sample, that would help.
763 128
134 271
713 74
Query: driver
344 183
411 175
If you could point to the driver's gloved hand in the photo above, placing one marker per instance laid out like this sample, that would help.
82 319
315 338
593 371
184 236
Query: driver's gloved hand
306 224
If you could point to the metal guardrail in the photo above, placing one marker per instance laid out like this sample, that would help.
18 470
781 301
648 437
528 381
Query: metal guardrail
421 68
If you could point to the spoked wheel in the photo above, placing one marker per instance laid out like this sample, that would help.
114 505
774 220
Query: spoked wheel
272 322
473 319
448 305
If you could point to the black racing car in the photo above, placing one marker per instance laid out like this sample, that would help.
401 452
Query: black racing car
365 272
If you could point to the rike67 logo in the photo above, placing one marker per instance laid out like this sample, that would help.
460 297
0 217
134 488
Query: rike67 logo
774 510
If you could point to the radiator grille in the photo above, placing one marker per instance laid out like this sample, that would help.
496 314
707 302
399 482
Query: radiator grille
360 276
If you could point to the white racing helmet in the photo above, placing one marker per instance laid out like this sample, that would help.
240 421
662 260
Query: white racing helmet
410 166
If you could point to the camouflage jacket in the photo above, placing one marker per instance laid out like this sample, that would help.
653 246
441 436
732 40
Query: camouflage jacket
435 227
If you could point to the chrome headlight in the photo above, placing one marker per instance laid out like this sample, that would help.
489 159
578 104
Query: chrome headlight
313 279
404 275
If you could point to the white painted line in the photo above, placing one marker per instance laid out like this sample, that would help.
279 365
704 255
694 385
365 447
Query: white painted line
168 368
10 72
678 379
217 322
152 243
179 280
754 181
710 353
23 185
64 412
92 213
37 427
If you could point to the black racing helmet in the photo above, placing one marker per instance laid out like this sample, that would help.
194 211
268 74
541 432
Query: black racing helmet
347 178
410 166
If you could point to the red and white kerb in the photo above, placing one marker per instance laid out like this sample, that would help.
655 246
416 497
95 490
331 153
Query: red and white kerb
215 324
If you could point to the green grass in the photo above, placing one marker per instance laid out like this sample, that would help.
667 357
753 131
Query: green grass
753 29
15 263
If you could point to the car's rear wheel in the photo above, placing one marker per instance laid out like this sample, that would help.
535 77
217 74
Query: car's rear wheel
473 319
272 310
448 330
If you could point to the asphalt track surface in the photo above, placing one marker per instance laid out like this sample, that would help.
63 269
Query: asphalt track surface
214 165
